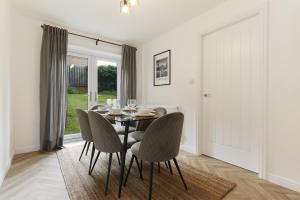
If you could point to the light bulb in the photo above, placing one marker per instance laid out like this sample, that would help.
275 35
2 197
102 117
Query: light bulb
133 2
125 9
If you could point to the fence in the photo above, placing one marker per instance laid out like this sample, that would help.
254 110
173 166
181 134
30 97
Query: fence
78 76
107 78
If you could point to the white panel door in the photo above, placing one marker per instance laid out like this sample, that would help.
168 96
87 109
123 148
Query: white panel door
233 93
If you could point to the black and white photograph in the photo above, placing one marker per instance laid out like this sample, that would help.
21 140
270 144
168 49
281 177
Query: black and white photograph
162 68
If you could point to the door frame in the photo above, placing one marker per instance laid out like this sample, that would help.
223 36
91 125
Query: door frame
262 12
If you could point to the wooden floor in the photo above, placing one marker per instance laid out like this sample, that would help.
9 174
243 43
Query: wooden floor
34 176
38 176
248 185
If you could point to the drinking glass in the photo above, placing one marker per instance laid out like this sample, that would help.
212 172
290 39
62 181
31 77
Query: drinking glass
108 103
116 103
132 103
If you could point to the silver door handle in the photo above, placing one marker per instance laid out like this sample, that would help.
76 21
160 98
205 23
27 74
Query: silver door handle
90 96
95 96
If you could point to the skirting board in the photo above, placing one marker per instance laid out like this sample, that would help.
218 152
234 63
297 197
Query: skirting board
4 171
27 149
188 149
284 182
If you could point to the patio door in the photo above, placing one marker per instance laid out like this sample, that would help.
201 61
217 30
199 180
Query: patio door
79 89
92 80
106 80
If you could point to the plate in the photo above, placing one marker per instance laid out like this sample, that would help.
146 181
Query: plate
129 110
115 114
144 115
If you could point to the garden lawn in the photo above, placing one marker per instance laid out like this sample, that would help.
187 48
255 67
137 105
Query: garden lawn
81 101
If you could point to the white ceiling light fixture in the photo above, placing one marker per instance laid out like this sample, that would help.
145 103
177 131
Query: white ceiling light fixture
133 2
126 5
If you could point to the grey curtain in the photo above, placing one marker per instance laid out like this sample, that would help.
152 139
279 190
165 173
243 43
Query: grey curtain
53 87
128 74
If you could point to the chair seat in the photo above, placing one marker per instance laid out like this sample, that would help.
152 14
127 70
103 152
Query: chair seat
130 140
135 148
121 129
137 135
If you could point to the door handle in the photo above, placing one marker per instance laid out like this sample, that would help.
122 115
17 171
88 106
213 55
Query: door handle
95 96
206 95
90 96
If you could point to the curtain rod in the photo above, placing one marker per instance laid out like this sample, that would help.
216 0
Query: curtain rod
96 39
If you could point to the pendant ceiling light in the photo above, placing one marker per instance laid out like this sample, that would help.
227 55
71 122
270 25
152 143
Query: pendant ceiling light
126 5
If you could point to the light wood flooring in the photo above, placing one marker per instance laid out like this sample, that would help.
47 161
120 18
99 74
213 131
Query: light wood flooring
34 176
249 187
37 176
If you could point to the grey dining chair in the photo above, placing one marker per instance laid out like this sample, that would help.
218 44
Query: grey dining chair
86 133
142 125
106 140
140 131
95 107
168 129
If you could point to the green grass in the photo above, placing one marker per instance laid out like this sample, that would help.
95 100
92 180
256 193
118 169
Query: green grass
106 95
81 101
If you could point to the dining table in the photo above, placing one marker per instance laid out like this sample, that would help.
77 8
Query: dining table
126 118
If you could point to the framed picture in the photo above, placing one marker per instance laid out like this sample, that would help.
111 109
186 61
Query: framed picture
162 68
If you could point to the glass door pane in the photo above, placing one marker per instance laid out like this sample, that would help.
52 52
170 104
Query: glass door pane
107 80
78 97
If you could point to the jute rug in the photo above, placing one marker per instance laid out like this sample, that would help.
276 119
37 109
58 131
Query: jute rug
81 186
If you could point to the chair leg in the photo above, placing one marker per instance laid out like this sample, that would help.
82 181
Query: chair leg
87 150
166 165
108 173
170 167
118 158
151 180
95 162
91 161
130 165
140 168
178 169
83 150
158 166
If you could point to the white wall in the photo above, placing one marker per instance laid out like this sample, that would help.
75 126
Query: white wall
6 137
284 93
26 50
185 44
27 35
283 161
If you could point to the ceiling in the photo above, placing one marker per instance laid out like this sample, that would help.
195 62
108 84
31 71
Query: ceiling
103 17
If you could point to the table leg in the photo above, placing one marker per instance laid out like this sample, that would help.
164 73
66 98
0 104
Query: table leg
123 157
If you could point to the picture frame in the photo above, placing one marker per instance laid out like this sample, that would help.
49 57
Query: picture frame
162 68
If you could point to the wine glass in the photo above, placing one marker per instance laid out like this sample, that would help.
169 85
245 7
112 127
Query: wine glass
108 103
132 104
116 103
